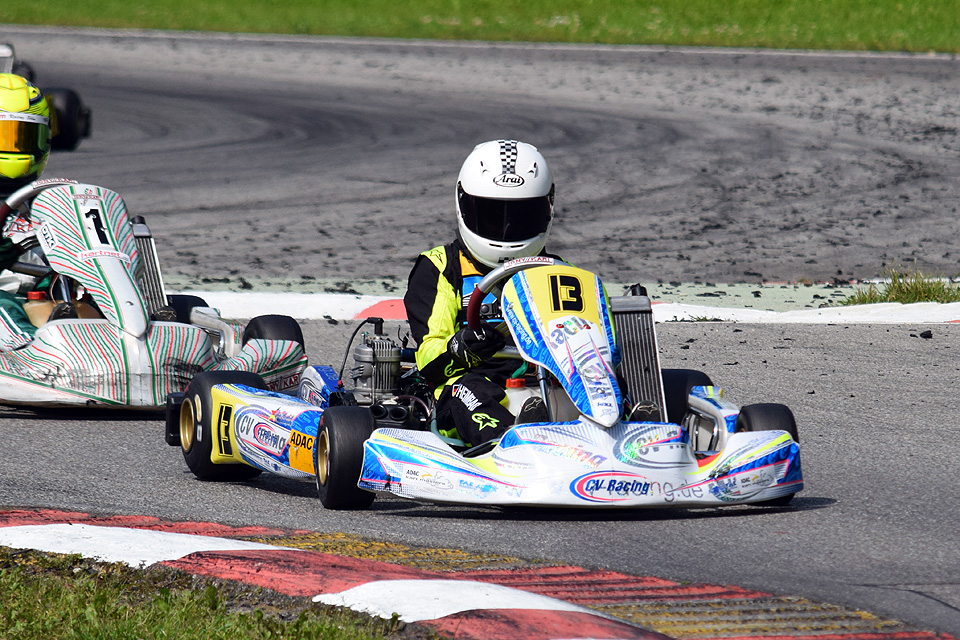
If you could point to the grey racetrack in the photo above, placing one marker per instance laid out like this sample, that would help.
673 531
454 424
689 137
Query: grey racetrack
307 160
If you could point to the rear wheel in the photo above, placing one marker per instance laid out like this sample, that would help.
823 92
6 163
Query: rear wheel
677 384
183 304
196 431
338 457
273 328
769 417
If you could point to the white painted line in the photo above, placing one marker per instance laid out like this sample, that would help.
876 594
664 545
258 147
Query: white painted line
134 547
416 600
885 313
308 306
315 306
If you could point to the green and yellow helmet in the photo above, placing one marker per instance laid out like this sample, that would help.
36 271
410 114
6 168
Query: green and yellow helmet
24 132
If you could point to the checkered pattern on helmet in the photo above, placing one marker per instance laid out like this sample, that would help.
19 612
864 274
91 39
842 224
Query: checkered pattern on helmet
508 155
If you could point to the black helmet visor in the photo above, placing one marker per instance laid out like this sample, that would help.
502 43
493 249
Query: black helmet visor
24 136
505 220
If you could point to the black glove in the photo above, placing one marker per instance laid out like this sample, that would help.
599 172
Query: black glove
9 252
470 348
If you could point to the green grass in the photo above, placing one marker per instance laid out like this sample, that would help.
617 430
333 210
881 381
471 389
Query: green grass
906 286
69 598
886 25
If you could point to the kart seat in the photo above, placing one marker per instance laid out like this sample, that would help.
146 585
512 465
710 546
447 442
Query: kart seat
456 443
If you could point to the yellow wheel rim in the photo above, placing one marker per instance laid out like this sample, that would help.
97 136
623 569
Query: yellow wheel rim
188 425
323 456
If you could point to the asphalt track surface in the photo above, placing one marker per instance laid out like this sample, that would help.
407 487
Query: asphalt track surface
334 160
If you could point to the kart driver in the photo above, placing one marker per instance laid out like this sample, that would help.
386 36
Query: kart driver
24 149
504 202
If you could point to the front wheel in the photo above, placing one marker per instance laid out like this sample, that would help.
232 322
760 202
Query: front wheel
769 417
196 430
677 384
338 457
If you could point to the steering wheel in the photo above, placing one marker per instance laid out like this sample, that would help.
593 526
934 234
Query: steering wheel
492 279
19 199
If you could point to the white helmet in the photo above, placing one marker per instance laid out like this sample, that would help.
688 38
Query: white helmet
504 201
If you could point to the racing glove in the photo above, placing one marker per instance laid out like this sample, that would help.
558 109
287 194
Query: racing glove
469 348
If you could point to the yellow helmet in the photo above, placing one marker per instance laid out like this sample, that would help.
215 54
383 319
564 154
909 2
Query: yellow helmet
24 132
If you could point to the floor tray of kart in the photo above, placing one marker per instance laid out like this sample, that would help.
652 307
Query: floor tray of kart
622 432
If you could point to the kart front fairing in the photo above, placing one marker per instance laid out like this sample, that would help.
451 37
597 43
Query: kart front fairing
559 319
122 358
579 464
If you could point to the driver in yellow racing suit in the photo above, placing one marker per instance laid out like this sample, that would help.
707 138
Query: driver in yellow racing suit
504 211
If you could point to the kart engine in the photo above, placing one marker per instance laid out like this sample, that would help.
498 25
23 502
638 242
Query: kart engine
376 369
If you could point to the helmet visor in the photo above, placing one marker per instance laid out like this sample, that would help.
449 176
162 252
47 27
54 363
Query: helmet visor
505 220
24 133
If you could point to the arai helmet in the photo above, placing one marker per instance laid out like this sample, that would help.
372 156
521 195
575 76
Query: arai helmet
24 132
504 201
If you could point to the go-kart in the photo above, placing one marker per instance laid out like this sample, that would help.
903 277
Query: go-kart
107 334
70 117
621 431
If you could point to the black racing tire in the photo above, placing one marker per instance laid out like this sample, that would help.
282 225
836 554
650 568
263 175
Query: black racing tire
196 432
273 328
71 116
338 457
183 304
677 384
769 417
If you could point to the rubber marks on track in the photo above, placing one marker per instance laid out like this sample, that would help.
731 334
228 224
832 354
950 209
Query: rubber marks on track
507 597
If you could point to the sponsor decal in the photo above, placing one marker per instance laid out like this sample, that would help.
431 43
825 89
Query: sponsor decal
477 487
19 225
529 260
48 239
567 329
464 395
260 435
309 392
278 383
570 452
748 483
508 180
643 448
103 253
301 451
669 493
223 421
24 117
610 486
301 440
435 479
40 183
86 196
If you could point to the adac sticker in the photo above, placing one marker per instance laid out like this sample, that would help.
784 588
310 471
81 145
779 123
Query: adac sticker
610 486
